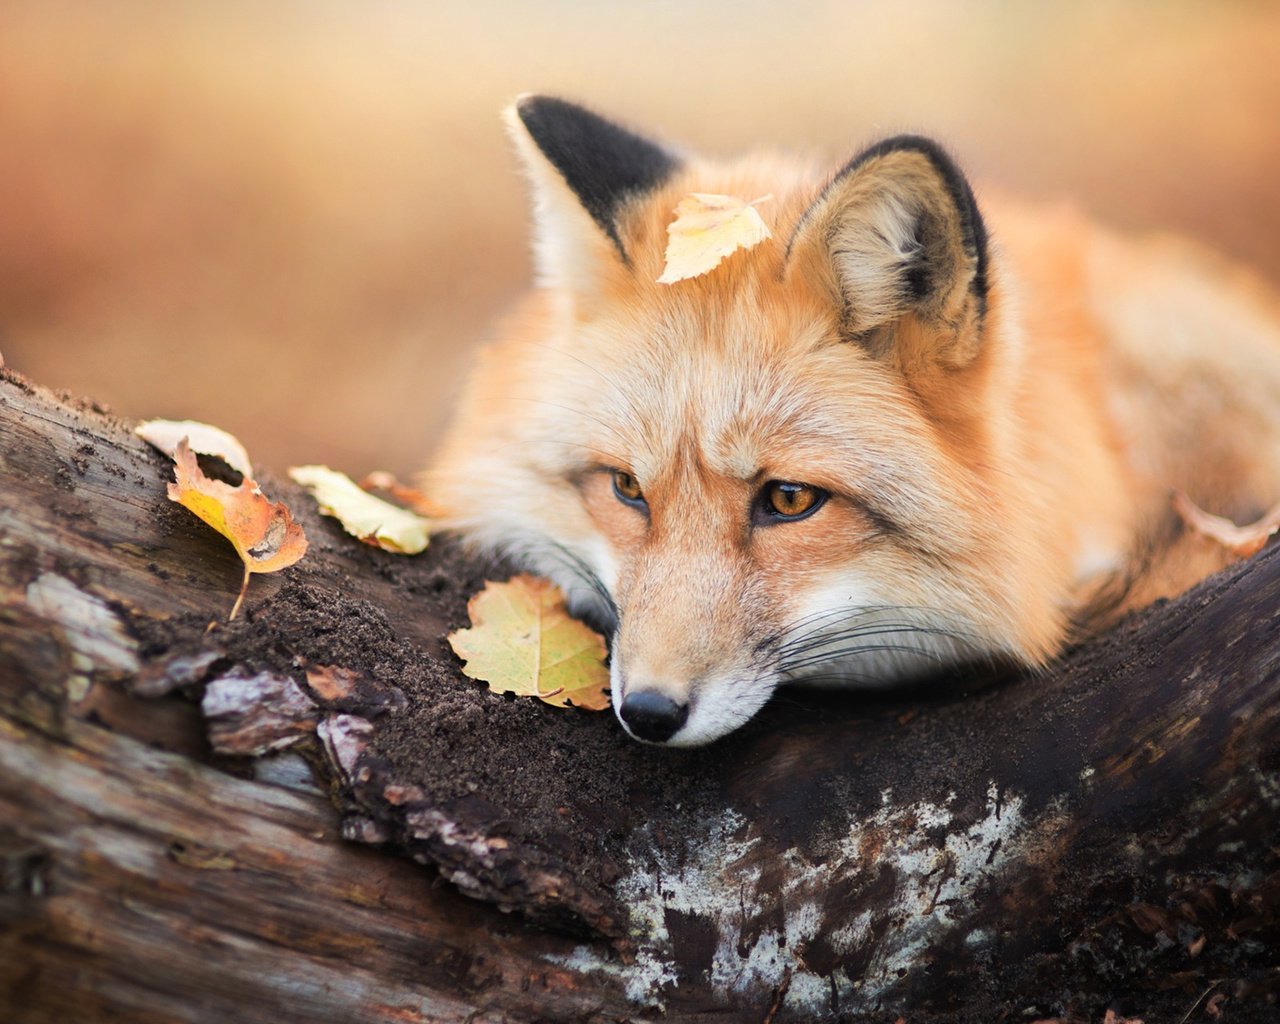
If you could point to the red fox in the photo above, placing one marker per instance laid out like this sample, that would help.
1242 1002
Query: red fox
899 435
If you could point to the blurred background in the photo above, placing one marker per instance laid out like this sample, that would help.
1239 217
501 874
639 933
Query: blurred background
298 219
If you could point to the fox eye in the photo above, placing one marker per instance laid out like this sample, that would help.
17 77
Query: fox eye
783 499
627 488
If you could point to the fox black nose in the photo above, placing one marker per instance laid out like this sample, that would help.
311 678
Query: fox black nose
652 716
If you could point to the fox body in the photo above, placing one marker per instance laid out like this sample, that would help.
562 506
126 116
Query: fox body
899 435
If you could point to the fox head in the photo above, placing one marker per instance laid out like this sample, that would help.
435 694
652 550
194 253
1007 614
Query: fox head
799 466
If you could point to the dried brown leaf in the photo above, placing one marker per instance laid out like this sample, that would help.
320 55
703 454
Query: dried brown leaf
262 531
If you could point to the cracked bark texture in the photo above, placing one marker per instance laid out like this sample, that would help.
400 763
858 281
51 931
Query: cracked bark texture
1101 836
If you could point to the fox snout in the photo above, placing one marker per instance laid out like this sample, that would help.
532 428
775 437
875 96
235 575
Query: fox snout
652 715
685 715
653 697
685 665
675 680
688 714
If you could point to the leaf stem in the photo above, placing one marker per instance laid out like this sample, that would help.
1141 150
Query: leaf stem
235 608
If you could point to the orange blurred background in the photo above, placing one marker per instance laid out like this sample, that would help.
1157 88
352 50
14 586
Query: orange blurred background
297 219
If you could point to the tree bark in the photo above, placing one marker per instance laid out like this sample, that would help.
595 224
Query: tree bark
1100 835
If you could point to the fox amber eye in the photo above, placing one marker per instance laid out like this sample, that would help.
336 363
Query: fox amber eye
784 500
627 488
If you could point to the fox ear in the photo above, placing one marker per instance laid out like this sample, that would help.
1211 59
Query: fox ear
898 239
584 170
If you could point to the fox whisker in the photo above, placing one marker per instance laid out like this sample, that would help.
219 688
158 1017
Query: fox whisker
609 428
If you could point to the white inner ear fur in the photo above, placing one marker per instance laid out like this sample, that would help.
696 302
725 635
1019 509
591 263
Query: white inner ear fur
872 238
568 246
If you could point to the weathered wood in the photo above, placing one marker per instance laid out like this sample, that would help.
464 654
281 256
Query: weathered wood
140 884
143 886
1106 831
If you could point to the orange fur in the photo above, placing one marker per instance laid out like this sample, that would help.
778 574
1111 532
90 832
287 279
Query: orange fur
989 475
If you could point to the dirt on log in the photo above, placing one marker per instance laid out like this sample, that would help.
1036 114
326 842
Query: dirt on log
1100 836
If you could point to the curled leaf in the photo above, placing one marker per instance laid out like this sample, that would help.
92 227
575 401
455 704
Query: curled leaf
523 641
1241 541
707 228
361 514
263 532
203 438
410 497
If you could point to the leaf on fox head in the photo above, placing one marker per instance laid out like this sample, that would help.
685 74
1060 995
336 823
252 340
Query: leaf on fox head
262 532
707 228
522 640
1241 541
361 514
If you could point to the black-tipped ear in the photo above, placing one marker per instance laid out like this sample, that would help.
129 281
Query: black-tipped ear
898 231
973 232
601 162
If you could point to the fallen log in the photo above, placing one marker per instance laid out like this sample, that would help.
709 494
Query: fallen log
1102 835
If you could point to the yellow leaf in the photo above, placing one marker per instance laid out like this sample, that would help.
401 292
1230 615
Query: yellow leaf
523 641
263 532
361 514
203 439
708 228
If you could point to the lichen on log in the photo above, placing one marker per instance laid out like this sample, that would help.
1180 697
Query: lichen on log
1101 835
